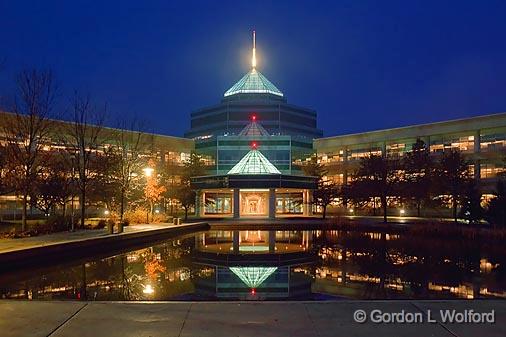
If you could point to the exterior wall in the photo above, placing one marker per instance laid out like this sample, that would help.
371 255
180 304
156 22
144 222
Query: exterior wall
170 152
234 113
482 139
223 152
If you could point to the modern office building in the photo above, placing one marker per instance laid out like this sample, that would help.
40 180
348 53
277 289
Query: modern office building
253 186
481 139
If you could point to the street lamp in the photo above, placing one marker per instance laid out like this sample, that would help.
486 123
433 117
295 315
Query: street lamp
148 172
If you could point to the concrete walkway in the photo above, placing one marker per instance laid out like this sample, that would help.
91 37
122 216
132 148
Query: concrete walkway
23 318
7 245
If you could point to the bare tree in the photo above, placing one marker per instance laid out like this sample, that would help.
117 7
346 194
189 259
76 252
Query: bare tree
129 143
28 130
83 139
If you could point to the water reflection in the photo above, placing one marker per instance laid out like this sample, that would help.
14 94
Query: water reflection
257 265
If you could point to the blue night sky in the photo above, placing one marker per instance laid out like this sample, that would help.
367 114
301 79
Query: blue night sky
362 65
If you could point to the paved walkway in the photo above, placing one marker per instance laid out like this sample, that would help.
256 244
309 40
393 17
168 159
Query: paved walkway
23 318
9 244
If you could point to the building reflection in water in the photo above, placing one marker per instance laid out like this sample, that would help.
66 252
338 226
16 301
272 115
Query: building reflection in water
254 264
259 264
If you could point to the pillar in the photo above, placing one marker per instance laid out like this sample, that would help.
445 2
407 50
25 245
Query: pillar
477 150
235 243
272 203
272 241
236 203
198 203
310 202
305 203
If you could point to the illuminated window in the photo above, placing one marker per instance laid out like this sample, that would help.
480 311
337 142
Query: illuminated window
493 140
491 170
447 142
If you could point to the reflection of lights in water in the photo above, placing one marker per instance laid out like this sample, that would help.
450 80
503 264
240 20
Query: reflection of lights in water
253 276
148 289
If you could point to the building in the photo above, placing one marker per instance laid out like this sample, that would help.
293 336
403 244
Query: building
481 139
253 187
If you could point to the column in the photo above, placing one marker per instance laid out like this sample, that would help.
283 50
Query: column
198 203
305 204
310 202
272 203
236 203
477 149
272 241
235 243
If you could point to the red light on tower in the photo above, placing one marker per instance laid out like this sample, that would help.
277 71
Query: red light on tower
254 145
253 291
254 118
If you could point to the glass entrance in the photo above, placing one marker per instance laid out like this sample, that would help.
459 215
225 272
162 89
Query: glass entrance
254 203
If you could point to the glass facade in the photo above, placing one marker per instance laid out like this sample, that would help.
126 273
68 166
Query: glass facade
289 203
493 140
463 143
218 203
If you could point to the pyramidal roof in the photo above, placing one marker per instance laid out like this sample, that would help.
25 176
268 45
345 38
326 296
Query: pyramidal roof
253 83
253 129
254 162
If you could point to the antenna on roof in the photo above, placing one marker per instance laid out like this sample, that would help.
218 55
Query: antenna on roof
254 58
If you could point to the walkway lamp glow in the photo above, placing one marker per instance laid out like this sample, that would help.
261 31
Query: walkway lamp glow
148 171
148 289
402 212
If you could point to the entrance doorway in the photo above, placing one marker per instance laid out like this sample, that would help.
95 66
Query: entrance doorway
254 203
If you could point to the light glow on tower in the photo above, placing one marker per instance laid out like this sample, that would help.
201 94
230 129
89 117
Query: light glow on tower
254 57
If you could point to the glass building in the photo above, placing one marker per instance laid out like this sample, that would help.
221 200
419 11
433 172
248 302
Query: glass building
253 186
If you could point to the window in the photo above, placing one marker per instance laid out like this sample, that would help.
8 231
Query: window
218 203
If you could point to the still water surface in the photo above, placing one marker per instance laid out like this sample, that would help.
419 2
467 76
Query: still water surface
263 265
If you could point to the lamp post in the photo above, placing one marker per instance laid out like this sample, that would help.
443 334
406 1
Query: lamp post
148 172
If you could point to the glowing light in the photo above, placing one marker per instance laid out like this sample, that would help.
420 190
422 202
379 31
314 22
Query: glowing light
254 58
254 118
148 171
106 212
148 289
253 291
157 211
254 145
402 212
351 210
253 276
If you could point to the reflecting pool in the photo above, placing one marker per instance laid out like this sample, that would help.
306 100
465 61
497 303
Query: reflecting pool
276 265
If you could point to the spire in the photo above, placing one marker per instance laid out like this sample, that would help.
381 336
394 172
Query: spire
254 58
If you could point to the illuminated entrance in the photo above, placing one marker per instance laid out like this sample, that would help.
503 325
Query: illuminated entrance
254 203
